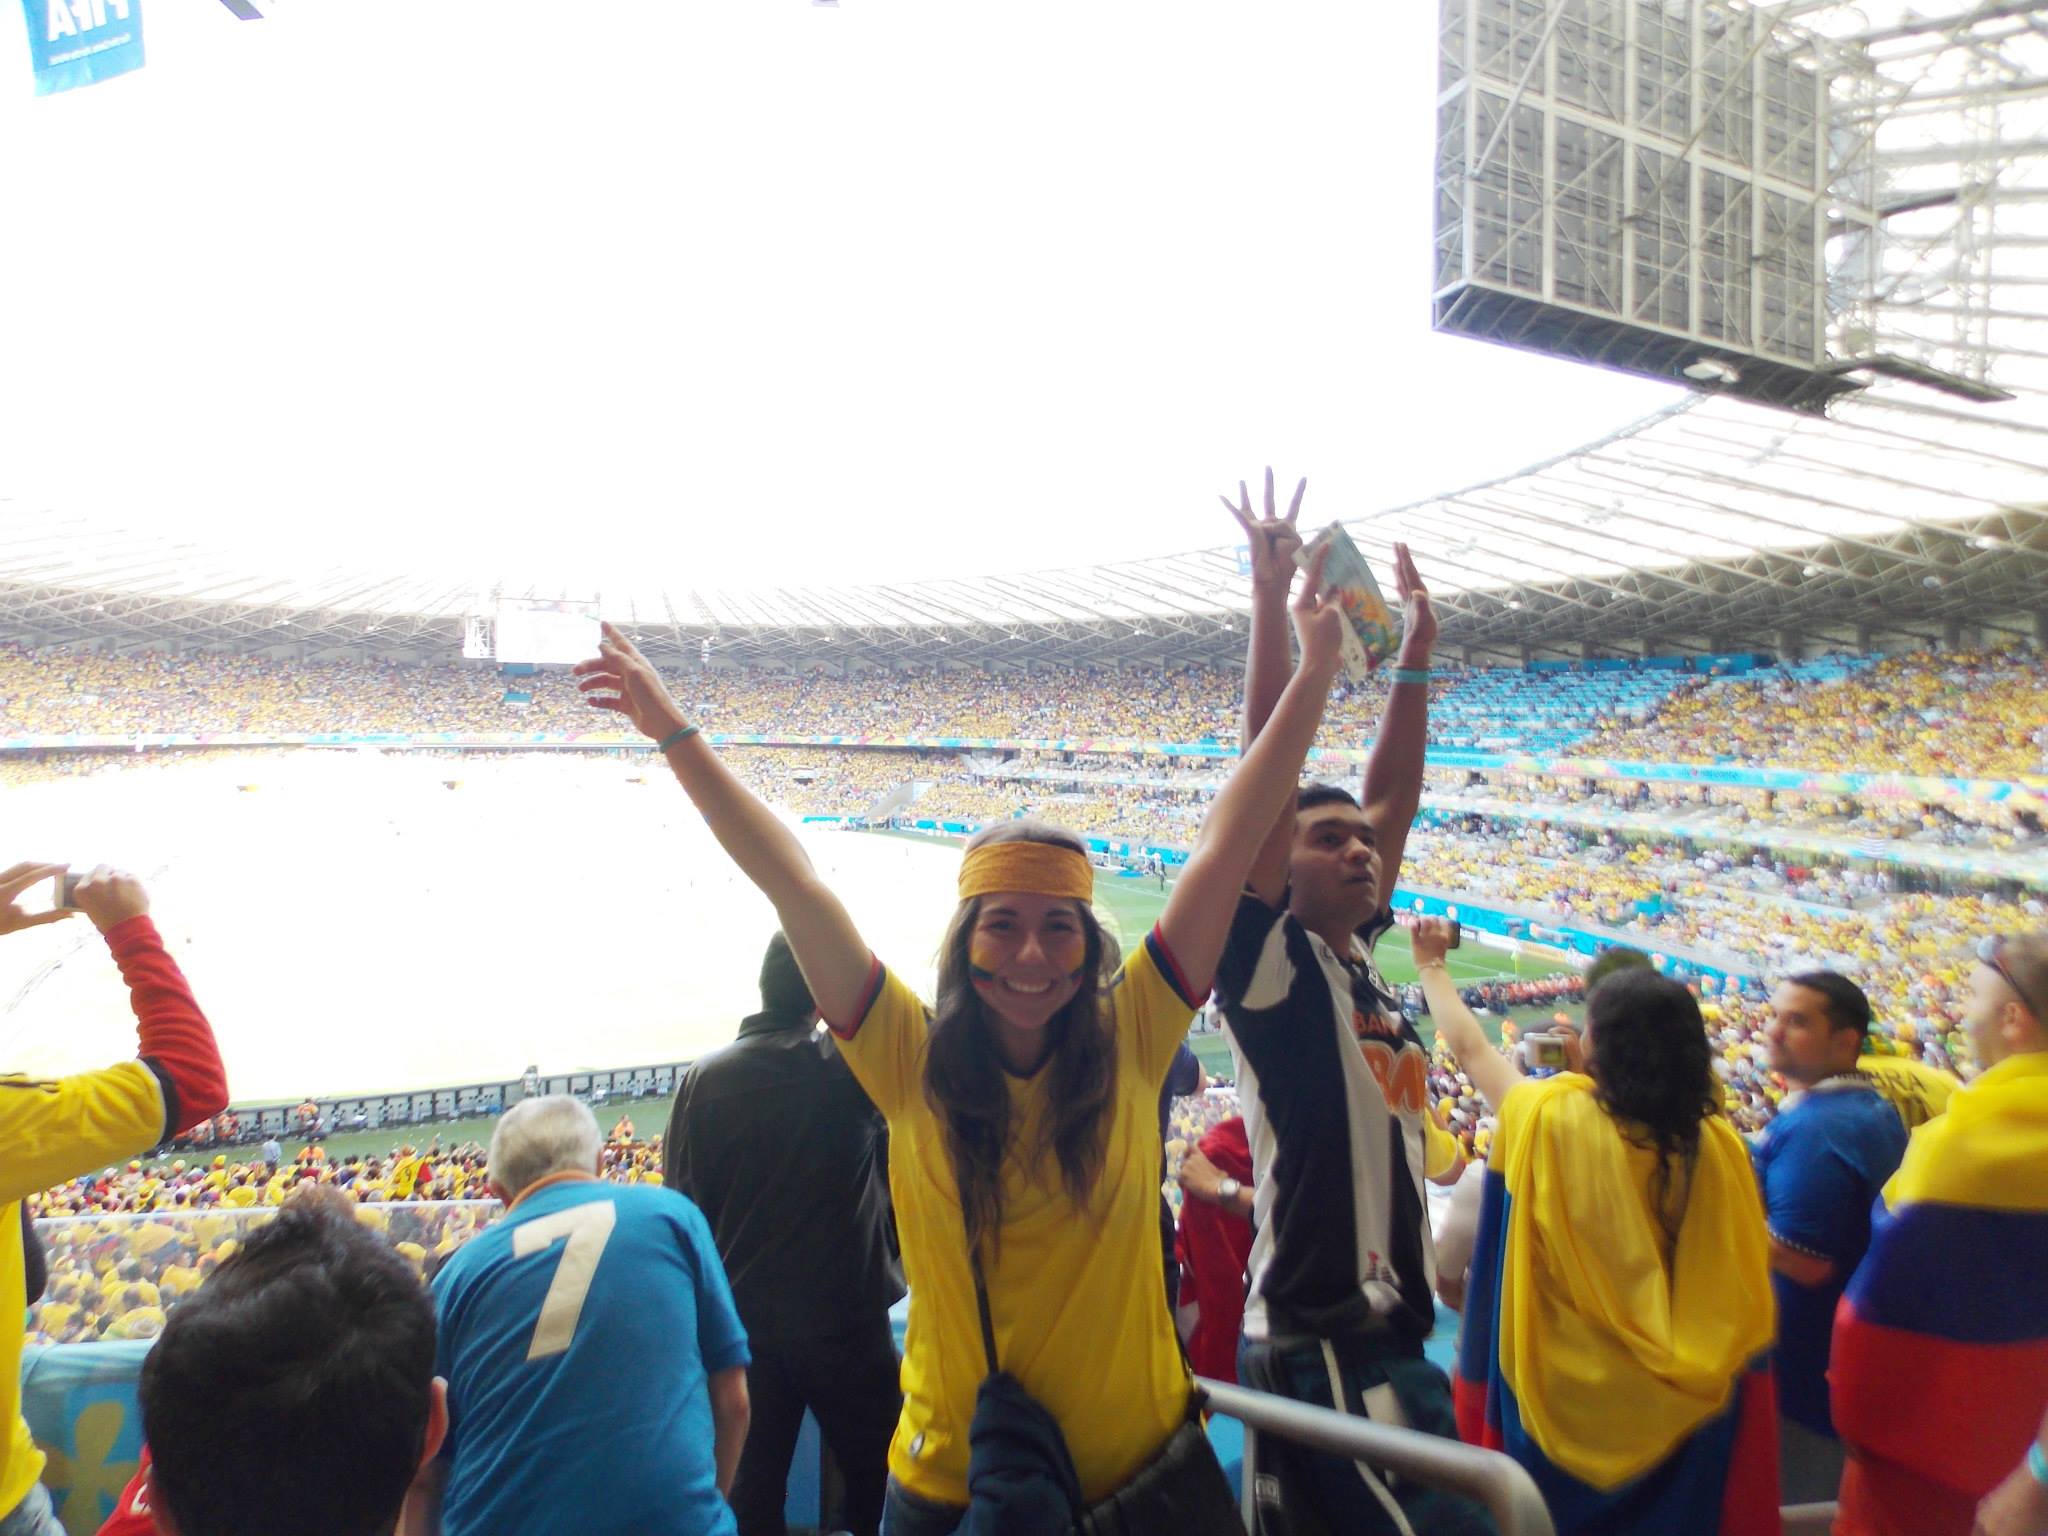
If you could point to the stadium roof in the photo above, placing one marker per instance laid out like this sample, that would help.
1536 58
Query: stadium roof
1714 524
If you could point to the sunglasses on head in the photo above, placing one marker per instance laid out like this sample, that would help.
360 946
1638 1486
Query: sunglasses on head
1991 951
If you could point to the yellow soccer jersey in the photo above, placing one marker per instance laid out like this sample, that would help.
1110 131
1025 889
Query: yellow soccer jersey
51 1131
1916 1090
1075 1293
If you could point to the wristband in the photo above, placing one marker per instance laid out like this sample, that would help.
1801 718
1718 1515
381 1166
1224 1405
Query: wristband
676 736
2037 1463
1411 674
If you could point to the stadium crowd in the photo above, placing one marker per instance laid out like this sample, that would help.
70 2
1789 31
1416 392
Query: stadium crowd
1963 714
384 1315
1966 714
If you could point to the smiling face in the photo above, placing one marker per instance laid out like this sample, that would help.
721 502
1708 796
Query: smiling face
1334 867
1027 955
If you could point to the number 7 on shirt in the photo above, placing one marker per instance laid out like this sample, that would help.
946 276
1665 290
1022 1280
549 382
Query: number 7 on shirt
588 1228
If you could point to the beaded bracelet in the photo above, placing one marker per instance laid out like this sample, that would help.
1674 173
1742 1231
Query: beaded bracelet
675 736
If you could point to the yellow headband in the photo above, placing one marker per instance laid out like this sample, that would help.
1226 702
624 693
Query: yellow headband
1038 869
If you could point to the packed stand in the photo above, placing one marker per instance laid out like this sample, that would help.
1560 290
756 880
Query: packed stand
1956 714
1965 714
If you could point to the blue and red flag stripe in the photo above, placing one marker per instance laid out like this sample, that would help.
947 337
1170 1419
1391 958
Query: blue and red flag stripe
1722 1482
1939 1365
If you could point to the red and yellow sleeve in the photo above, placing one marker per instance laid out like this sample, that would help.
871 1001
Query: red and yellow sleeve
885 1044
54 1130
173 1038
1153 1008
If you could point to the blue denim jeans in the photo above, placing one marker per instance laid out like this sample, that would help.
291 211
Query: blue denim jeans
903 1514
33 1516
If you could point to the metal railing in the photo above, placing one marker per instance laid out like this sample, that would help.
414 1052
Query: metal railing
1486 1477
1808 1519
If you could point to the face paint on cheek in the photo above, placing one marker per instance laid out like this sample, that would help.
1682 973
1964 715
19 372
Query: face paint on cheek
1068 951
982 960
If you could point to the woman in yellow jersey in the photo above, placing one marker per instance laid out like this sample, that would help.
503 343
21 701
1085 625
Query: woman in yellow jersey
1023 1108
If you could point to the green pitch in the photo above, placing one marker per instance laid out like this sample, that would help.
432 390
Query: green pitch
1137 903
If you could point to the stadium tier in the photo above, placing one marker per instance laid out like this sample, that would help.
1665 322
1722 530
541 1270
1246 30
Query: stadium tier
1960 715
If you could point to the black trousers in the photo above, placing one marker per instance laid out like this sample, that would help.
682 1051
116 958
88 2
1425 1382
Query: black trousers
851 1383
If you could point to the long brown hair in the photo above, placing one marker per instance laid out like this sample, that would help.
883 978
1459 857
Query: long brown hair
963 1075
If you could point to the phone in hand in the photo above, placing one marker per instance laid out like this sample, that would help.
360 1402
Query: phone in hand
1546 1050
55 894
1457 934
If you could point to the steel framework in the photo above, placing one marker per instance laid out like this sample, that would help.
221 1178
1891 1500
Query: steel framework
1651 186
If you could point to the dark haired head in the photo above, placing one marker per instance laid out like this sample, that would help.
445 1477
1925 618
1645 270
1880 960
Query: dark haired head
1652 1068
1333 865
1847 1007
964 1075
316 1340
784 992
1611 962
1312 795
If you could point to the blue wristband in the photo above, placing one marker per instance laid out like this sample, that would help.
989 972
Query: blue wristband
2037 1463
1411 674
675 736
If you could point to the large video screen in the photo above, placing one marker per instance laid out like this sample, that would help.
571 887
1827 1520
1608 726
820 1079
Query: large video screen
558 630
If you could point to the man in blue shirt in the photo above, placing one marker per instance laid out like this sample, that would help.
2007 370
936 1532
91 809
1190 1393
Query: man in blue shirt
1821 1163
596 1366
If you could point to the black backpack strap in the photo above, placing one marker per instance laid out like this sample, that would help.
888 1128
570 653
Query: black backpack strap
988 1327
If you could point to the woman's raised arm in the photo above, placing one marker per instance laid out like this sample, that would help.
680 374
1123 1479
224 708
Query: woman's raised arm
821 934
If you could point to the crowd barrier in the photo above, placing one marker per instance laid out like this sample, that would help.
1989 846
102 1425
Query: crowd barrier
618 1088
1487 1477
2030 868
2029 791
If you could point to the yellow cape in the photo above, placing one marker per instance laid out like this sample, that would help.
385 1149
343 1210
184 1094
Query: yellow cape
1991 1147
1614 1361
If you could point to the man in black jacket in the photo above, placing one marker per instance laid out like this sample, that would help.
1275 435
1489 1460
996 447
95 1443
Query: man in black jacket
782 1151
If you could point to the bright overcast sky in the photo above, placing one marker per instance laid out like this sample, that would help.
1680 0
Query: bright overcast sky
741 291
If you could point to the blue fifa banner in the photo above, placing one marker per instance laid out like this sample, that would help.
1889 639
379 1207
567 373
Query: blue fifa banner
78 42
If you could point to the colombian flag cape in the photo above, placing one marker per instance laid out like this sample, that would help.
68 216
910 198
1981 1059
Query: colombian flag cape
1639 1398
1939 1368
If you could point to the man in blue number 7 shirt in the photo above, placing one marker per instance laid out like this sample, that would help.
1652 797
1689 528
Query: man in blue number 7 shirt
596 1366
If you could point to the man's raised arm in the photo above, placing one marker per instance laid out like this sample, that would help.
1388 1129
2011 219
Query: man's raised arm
1268 663
1392 791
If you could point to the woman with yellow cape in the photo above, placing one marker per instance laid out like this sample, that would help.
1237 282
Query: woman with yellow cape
1618 1320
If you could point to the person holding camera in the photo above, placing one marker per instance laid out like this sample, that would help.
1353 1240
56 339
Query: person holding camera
1621 1243
54 1129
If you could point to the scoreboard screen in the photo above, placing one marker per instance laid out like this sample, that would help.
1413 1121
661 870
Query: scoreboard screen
559 630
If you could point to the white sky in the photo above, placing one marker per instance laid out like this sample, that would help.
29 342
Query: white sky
741 292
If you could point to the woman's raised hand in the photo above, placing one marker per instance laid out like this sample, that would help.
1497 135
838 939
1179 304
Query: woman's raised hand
1318 619
620 679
